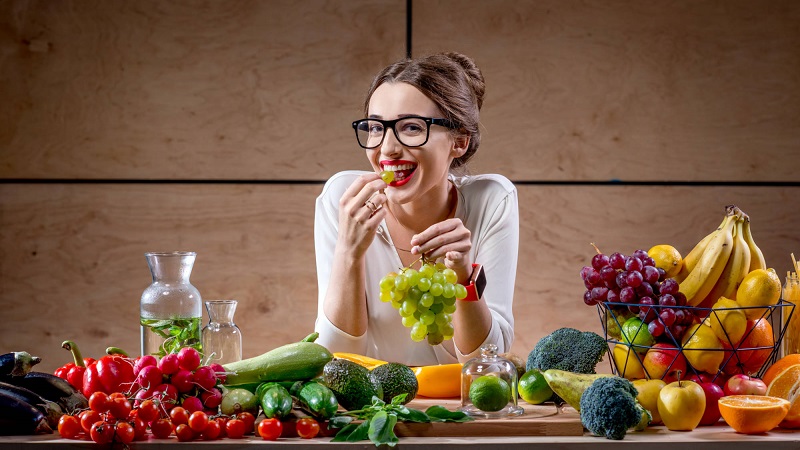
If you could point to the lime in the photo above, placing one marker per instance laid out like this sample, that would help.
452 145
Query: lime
634 332
533 387
489 393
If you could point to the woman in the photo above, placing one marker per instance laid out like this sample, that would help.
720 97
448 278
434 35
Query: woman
422 123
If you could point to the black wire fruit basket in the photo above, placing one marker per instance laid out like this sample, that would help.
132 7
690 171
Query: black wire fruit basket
614 315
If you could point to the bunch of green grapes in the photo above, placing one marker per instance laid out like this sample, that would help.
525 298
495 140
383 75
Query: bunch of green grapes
426 300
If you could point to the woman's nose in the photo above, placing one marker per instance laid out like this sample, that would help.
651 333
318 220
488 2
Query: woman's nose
391 147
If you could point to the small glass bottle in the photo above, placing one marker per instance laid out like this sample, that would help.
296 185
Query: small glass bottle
170 310
222 339
791 294
489 386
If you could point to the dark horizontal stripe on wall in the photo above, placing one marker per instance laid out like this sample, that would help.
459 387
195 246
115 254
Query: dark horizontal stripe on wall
301 181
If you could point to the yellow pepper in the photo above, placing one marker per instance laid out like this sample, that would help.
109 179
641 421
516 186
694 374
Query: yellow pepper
361 360
441 381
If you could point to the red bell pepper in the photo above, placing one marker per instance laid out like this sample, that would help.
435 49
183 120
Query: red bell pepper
73 372
111 373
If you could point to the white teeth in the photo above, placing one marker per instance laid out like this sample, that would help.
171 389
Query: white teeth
398 167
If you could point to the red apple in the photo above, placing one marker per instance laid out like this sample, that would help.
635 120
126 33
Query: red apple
663 361
741 384
713 394
704 377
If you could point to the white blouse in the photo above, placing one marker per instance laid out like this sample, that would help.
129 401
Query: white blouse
487 205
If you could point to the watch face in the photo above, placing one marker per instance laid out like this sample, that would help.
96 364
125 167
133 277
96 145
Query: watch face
480 283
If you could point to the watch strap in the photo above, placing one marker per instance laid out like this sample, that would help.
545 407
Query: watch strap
477 283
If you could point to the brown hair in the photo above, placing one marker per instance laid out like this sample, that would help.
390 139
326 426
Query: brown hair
452 81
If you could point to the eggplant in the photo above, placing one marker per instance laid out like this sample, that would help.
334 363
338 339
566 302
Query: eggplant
17 364
18 417
51 410
53 388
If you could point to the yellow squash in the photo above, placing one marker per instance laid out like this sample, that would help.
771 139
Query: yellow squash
440 381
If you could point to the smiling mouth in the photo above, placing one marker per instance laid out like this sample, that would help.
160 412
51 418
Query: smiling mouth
401 172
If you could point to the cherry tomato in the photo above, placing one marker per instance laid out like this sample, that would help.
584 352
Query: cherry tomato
124 432
139 429
184 433
235 429
270 429
102 432
161 428
223 426
212 430
99 402
249 421
148 411
69 427
198 421
89 418
120 407
307 428
179 416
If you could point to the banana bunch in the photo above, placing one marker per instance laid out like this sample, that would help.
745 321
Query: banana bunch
719 262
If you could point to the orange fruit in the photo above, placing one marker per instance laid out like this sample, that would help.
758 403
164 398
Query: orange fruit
753 414
786 385
779 366
752 351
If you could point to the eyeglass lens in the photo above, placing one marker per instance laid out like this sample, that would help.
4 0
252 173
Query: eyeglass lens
411 132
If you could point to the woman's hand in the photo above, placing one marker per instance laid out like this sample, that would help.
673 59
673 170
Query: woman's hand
449 239
360 212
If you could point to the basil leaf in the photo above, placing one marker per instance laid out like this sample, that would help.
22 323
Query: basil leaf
413 415
399 399
381 429
442 414
361 433
345 432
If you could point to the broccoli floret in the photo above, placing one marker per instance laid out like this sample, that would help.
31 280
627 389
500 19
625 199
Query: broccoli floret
609 407
568 349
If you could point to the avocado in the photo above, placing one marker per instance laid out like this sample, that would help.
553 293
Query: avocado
351 383
396 379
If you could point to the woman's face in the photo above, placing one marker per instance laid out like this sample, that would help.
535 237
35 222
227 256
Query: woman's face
418 170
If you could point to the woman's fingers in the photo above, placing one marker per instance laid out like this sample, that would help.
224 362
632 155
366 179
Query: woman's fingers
443 237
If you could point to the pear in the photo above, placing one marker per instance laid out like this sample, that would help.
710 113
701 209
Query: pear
569 385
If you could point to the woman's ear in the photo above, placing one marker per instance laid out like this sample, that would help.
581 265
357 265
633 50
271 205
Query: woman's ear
460 145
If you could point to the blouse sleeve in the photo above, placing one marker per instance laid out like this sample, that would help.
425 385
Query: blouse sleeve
326 229
496 248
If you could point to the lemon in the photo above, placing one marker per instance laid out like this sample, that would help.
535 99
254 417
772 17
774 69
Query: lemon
629 365
635 333
702 348
489 393
666 257
728 322
533 387
761 287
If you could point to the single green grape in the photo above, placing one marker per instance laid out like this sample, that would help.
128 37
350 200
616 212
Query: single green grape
433 328
450 275
427 270
449 301
449 309
387 282
441 319
418 331
387 176
414 294
449 291
438 277
424 284
461 291
428 317
401 283
426 300
437 308
409 306
398 296
440 266
386 296
436 289
447 330
397 304
435 338
412 277
409 321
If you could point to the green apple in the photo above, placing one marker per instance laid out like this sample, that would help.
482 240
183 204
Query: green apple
681 405
649 391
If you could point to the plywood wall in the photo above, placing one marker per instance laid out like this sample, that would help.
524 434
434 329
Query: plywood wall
211 126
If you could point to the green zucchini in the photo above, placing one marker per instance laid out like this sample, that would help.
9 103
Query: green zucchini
298 361
316 398
275 400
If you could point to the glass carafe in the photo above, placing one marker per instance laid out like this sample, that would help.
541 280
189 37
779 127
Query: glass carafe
171 308
791 294
222 339
489 386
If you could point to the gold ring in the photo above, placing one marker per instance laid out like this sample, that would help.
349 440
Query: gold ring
371 206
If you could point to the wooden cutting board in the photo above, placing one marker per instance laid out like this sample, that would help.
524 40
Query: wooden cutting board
537 420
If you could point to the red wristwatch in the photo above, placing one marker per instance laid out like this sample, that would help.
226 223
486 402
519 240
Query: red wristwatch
477 283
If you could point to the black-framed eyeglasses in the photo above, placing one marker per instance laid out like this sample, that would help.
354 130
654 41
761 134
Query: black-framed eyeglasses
411 131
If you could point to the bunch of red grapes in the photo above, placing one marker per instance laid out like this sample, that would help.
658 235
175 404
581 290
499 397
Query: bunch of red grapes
636 284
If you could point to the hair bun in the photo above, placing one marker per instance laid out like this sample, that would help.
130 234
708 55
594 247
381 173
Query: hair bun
474 75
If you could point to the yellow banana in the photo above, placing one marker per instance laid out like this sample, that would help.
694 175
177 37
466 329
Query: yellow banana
735 270
757 260
705 274
691 259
